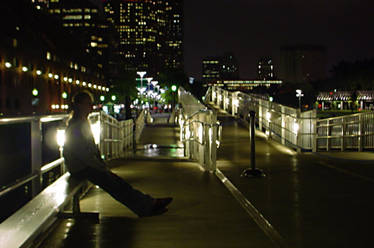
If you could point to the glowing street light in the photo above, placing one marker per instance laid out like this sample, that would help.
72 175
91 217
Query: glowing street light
174 88
102 98
299 94
141 74
113 98
35 92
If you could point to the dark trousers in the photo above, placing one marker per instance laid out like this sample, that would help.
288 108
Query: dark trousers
118 188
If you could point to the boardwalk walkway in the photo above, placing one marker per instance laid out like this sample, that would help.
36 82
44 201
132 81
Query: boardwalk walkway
203 213
310 200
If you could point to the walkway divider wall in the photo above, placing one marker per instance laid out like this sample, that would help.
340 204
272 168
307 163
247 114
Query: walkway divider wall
198 130
288 126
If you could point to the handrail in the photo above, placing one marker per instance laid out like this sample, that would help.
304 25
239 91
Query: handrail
28 178
17 184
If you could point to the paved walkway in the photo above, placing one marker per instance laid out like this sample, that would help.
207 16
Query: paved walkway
203 214
310 200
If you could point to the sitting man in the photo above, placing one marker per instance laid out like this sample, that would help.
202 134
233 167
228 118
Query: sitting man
83 161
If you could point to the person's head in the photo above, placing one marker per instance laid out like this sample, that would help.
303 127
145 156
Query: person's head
82 105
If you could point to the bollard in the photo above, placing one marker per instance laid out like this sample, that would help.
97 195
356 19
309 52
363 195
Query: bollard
253 171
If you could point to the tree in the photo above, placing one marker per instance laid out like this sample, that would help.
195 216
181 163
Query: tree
124 86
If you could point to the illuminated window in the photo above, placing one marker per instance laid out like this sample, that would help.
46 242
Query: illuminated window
49 56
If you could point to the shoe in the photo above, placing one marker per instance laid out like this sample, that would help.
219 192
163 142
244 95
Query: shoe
159 206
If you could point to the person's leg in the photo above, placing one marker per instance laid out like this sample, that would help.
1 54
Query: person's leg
119 189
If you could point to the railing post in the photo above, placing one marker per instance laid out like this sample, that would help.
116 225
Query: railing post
360 133
328 131
36 154
283 125
342 143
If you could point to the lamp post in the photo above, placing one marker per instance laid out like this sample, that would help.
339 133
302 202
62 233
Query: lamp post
149 80
141 74
299 94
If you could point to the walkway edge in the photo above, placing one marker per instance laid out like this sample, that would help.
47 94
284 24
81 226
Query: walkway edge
260 220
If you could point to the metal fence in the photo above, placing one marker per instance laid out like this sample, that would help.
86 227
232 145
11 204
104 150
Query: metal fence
37 153
199 130
350 132
286 125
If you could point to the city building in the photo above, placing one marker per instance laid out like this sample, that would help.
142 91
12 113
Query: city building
243 85
151 33
301 64
85 20
265 69
41 66
220 68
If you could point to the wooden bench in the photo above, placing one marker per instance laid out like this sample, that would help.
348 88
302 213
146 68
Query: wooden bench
33 219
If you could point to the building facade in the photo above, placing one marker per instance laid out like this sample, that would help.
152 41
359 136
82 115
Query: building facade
40 66
265 69
301 64
85 20
220 68
150 33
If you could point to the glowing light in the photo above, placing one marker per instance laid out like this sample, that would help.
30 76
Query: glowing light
102 98
70 80
77 82
114 97
107 89
8 65
38 72
295 127
96 129
89 85
64 95
95 86
60 137
268 116
24 69
50 75
65 79
84 83
35 92
57 76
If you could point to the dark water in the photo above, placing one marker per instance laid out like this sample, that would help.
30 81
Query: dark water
15 162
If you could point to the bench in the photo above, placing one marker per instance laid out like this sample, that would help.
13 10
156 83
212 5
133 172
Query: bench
33 219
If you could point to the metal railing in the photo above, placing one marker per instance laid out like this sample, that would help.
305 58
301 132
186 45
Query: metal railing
113 138
199 130
286 125
300 130
350 132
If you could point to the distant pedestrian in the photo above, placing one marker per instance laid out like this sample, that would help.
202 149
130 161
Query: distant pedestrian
83 161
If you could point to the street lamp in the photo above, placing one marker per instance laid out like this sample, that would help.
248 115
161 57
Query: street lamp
141 74
299 94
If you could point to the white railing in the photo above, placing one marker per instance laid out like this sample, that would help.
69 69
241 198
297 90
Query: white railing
284 124
113 137
198 130
350 132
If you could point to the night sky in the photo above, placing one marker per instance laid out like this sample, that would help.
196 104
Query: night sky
256 28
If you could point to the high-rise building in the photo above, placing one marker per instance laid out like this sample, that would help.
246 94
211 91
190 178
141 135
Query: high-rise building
265 69
151 33
220 67
41 66
301 64
85 19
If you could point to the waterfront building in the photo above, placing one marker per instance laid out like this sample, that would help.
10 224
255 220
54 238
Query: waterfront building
41 66
220 68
